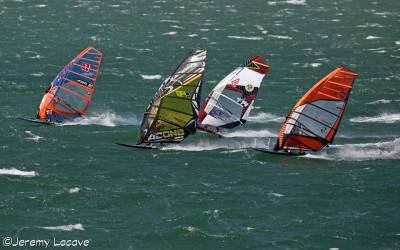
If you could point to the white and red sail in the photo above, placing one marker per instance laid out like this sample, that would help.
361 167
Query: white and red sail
229 103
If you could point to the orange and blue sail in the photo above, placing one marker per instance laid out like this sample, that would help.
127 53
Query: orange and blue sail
71 91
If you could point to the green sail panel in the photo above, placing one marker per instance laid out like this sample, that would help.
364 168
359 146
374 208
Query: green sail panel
172 113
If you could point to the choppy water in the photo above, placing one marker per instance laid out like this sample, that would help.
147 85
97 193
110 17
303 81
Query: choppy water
71 182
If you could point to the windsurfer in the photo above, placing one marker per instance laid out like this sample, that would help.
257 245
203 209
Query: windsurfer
47 90
276 146
159 124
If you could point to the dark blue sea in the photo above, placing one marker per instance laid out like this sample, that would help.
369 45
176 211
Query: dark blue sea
71 187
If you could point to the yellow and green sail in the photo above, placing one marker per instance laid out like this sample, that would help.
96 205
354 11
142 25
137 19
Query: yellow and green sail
173 111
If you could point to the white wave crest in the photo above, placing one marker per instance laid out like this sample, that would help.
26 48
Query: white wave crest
369 151
108 119
151 77
296 2
17 172
367 25
281 37
171 33
265 117
372 37
321 155
207 145
307 65
383 101
275 194
34 137
383 118
246 37
73 190
66 227
250 133
37 74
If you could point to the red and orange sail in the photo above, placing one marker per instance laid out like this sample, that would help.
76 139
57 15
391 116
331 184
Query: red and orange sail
314 120
71 90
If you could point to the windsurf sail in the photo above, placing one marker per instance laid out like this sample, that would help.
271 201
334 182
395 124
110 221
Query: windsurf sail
229 103
314 120
72 89
173 111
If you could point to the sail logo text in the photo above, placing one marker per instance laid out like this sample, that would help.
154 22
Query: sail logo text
234 82
169 134
85 83
85 67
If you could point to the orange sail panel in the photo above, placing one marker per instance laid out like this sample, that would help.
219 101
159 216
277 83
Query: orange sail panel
314 120
72 89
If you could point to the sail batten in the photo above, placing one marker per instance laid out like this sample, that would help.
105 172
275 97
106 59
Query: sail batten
325 110
314 120
76 73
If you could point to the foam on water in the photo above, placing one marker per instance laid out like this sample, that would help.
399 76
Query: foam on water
171 33
34 137
207 145
383 101
246 37
73 190
281 37
169 21
108 119
250 133
369 151
66 227
296 2
383 118
372 37
37 74
308 65
17 172
265 117
150 77
360 152
367 25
